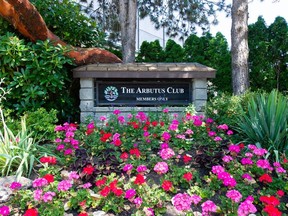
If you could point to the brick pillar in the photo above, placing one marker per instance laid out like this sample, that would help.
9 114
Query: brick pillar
199 99
86 95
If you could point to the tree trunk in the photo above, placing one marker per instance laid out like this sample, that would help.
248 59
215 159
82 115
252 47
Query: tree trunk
26 19
127 16
239 46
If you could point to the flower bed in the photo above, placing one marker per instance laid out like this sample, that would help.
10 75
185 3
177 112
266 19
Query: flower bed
141 165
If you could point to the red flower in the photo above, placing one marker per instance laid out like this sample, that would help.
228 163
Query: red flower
101 182
265 178
135 125
272 211
88 170
31 212
113 185
280 193
118 192
124 156
167 185
154 123
269 200
139 179
105 191
162 123
83 214
241 145
186 159
49 160
145 128
88 132
188 176
135 152
83 203
285 160
117 142
105 137
49 178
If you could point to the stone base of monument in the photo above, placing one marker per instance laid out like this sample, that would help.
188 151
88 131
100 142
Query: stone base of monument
147 87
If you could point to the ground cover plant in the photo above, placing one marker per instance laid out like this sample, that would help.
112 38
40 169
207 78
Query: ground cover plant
142 163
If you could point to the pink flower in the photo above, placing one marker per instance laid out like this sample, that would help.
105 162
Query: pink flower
138 201
146 134
58 140
68 151
73 175
209 121
127 167
229 132
234 195
116 112
252 147
264 164
217 169
230 182
4 210
166 110
39 182
37 195
246 161
166 153
211 133
195 199
48 196
217 138
130 193
208 206
234 148
166 136
197 122
280 170
121 119
189 131
227 158
247 176
102 118
15 185
60 147
64 185
246 207
260 152
164 145
141 168
249 154
223 127
173 127
87 185
161 168
182 202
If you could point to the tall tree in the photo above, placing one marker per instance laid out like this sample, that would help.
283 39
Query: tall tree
27 20
178 17
278 51
127 17
239 46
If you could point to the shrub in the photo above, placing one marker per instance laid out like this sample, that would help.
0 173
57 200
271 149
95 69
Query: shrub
266 121
35 75
17 152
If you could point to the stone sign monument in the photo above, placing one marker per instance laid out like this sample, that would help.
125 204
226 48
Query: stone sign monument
141 86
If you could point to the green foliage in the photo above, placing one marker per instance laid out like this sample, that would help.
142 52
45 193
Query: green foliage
66 20
150 52
212 52
266 121
173 52
223 108
40 121
17 152
268 46
36 75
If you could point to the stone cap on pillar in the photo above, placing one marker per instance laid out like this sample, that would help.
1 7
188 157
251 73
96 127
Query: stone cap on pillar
145 70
